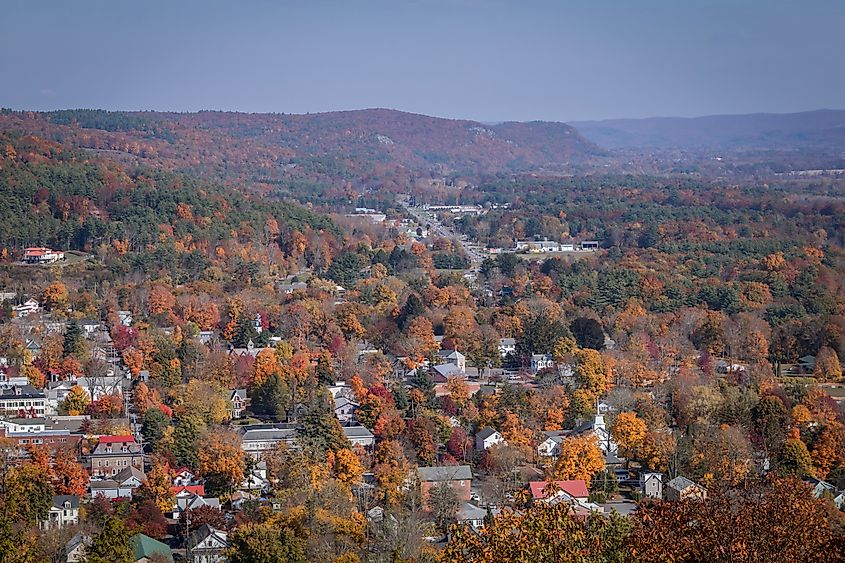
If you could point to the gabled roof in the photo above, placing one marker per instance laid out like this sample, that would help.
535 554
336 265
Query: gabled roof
145 546
76 540
470 512
59 501
448 370
128 472
576 488
102 484
681 483
187 490
200 534
444 473
486 432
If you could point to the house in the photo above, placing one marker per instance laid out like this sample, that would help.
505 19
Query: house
75 548
121 486
26 308
88 327
206 545
487 437
239 400
574 490
540 362
820 487
472 515
239 498
42 255
194 502
147 550
184 477
124 318
344 409
115 453
507 346
458 477
64 511
259 438
289 288
651 485
455 358
256 480
23 401
359 435
443 372
185 491
681 488
550 446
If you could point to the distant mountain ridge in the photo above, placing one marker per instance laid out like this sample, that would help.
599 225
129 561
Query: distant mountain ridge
811 130
356 137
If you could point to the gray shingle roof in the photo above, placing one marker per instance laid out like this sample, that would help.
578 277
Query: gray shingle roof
444 473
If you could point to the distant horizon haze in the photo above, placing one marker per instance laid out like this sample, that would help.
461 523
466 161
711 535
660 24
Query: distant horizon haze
481 60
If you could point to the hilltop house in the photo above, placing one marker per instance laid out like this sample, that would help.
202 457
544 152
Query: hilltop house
42 255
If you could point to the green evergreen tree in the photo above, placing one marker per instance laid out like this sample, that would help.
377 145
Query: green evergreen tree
111 544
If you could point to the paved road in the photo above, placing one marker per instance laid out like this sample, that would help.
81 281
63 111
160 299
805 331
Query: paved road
472 249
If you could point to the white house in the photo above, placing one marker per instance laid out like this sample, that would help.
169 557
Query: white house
344 409
64 511
472 515
488 437
259 438
651 485
541 362
42 255
359 435
193 502
26 308
23 401
207 545
121 486
550 446
455 358
184 477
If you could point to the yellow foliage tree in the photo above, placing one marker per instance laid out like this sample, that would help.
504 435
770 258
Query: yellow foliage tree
580 458
629 431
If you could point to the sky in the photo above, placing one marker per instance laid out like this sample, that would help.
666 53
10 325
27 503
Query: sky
488 60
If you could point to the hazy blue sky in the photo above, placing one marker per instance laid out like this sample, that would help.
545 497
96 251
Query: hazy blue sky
479 59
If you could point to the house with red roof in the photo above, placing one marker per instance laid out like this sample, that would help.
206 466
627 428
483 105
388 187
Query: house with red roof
42 255
575 489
